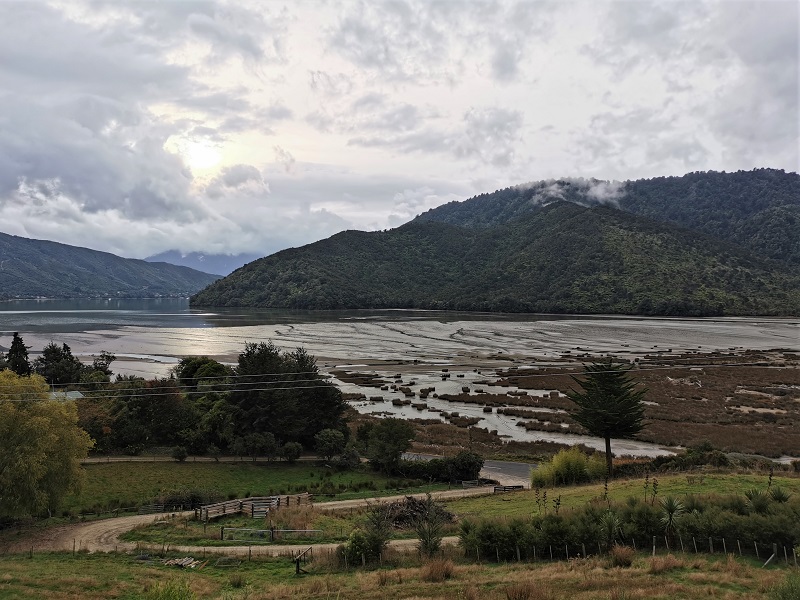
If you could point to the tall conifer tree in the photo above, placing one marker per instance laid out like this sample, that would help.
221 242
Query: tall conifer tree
609 406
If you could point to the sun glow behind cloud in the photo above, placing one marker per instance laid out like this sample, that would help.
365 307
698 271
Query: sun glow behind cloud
252 126
200 156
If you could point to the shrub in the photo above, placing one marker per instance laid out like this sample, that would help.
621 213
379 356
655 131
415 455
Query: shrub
180 453
569 467
291 451
757 502
437 571
621 556
779 495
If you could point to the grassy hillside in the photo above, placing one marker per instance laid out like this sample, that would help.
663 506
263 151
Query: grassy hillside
36 268
563 258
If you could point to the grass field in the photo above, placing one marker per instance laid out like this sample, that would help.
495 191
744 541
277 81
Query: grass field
520 504
130 484
124 577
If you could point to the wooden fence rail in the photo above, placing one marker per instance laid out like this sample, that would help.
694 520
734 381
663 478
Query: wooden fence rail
256 507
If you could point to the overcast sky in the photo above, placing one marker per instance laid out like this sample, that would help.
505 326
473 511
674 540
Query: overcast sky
138 127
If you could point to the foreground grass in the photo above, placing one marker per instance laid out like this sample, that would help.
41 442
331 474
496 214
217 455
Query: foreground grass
129 484
62 576
521 504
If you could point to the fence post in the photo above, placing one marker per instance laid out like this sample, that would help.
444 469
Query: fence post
680 539
785 555
756 545
738 543
694 541
654 545
724 546
774 552
711 545
222 533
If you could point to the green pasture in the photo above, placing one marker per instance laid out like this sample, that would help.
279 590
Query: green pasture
114 485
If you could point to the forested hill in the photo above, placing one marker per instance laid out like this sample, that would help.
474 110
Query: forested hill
37 268
562 258
758 209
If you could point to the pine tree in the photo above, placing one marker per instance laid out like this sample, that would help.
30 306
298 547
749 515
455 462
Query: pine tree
609 405
18 357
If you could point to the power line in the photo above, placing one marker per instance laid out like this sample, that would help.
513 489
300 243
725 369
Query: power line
355 375
150 391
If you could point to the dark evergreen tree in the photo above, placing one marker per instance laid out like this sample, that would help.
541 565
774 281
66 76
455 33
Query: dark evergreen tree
17 356
285 395
58 366
387 442
609 406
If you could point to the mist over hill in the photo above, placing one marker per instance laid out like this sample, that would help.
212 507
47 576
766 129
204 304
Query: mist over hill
759 209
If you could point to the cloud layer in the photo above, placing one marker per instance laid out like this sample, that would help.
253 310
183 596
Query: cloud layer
228 127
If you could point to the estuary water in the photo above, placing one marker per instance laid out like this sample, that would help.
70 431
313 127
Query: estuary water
150 336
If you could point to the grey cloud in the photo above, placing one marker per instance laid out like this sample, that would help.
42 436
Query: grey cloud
399 40
285 158
43 51
641 139
329 85
243 181
430 42
756 114
488 135
733 66
371 113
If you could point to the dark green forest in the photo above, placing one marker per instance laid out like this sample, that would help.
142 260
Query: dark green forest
759 209
38 268
560 258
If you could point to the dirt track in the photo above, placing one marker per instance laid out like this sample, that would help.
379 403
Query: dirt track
103 535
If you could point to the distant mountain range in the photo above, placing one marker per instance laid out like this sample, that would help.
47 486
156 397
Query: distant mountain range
218 264
701 244
37 268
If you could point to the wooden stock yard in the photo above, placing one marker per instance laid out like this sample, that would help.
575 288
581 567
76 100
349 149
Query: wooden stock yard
257 507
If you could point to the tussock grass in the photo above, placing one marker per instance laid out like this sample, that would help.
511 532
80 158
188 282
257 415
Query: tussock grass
437 570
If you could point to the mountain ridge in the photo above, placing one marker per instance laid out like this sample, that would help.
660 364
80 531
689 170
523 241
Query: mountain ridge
32 268
563 258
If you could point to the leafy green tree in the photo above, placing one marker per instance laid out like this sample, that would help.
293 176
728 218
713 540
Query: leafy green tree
284 394
57 365
17 356
258 444
387 442
466 465
329 443
198 372
291 451
41 446
609 406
